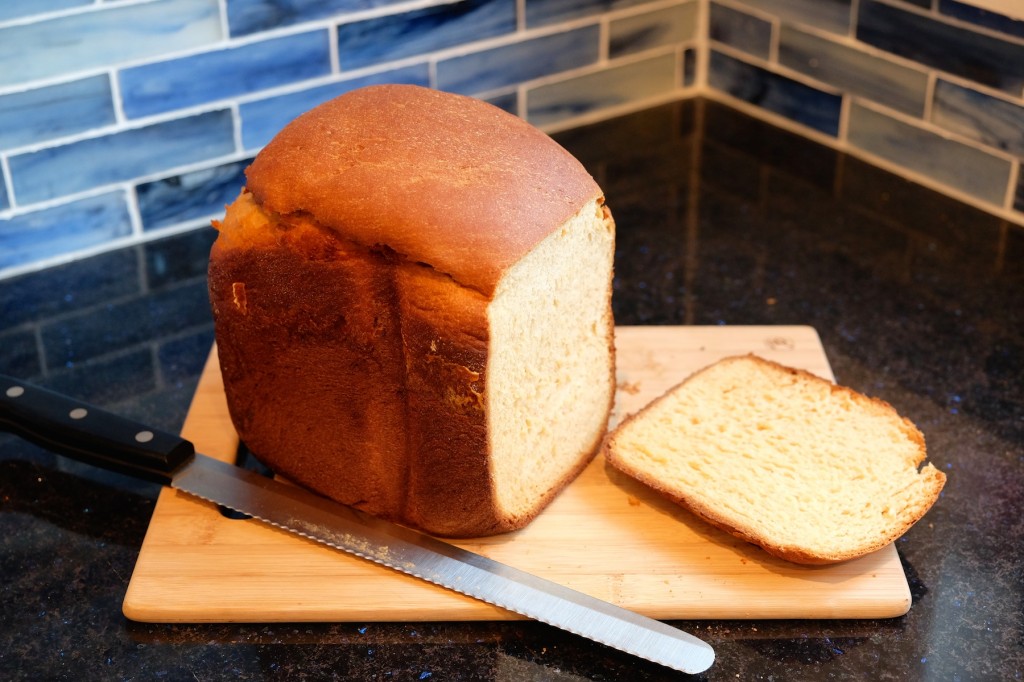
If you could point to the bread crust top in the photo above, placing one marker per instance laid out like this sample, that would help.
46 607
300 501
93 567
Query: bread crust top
439 178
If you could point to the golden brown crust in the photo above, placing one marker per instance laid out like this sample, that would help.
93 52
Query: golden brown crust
932 480
350 285
429 174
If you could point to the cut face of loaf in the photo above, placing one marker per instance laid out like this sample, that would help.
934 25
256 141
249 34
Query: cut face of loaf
412 301
812 472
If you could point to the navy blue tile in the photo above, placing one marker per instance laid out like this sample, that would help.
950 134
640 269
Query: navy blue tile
19 353
992 121
93 162
252 16
545 12
188 196
742 31
778 94
977 57
509 64
39 295
12 9
45 113
177 259
120 325
112 34
63 229
173 84
981 17
262 119
403 35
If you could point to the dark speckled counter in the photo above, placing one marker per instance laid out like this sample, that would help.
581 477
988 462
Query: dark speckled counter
722 219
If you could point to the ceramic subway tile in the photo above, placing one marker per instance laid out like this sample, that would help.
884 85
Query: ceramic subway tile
262 119
185 197
829 15
57 171
742 31
854 70
63 229
611 87
929 41
164 86
517 62
397 36
653 29
40 114
992 121
105 37
547 12
776 93
969 170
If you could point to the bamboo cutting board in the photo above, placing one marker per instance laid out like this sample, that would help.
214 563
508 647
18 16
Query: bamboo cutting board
605 535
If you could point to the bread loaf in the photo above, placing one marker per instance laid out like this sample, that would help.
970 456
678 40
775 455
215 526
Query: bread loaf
412 299
812 472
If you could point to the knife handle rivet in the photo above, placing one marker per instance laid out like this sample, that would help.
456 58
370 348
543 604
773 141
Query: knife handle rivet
78 413
144 436
15 392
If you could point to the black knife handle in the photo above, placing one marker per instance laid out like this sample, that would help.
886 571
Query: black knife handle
88 434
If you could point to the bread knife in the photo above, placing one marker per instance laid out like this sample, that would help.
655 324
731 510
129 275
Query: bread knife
97 437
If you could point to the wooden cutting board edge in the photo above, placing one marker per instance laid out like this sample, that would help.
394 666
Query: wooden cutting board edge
197 566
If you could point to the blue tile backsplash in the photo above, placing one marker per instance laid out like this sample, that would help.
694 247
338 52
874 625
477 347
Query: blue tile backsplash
128 119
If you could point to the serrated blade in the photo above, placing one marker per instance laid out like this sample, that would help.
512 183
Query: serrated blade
422 556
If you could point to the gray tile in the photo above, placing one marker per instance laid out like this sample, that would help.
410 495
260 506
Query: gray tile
616 86
653 29
952 163
105 37
830 15
995 122
854 70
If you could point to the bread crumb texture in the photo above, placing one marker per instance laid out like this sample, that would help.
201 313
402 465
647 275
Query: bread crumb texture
812 472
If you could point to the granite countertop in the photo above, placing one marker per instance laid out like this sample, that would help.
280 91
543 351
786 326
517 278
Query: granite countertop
722 220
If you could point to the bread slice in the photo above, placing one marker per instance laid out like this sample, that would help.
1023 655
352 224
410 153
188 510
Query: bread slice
812 472
412 301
